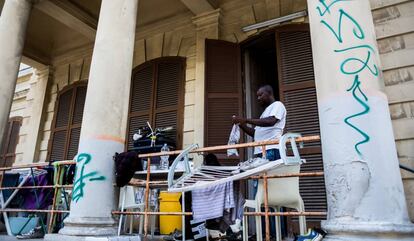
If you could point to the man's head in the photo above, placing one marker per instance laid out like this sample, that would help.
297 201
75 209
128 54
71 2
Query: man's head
265 95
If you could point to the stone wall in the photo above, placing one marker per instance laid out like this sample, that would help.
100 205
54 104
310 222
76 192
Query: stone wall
394 24
19 109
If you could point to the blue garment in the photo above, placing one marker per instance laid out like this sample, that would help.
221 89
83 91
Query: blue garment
271 154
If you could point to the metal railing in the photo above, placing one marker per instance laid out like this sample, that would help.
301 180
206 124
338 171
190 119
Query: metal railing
147 183
56 187
406 168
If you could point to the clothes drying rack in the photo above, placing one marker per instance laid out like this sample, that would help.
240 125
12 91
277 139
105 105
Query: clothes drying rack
191 179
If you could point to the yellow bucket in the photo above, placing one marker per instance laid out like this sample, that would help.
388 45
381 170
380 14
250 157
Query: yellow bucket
170 202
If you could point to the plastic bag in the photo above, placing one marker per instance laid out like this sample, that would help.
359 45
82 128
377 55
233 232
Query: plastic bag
234 139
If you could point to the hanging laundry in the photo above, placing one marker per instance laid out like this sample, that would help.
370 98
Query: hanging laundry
211 202
37 198
233 139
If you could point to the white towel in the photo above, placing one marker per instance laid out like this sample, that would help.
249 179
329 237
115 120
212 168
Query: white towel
234 139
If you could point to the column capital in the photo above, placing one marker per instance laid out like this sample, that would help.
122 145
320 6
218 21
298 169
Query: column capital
207 20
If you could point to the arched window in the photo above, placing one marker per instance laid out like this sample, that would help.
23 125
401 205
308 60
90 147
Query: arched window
66 126
10 140
157 96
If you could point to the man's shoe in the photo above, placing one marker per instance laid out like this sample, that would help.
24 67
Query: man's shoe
176 235
252 163
312 235
32 234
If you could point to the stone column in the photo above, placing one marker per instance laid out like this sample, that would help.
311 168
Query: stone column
364 189
104 121
13 23
207 27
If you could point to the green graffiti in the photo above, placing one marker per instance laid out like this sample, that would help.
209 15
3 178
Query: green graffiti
327 7
362 101
355 47
355 89
357 30
374 71
82 160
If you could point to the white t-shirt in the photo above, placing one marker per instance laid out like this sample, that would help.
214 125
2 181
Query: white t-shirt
278 110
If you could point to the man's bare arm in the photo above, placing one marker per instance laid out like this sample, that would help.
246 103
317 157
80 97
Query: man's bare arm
263 122
247 129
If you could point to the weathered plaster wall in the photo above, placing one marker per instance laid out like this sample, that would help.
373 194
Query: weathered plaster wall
394 25
19 107
174 37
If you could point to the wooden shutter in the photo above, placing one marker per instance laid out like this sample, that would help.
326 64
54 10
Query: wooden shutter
157 96
9 142
223 87
76 122
298 93
66 127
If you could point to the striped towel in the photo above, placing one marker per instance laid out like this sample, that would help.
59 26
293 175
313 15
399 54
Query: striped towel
210 203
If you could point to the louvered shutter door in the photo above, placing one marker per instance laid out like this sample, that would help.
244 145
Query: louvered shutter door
157 93
298 93
10 140
169 86
4 145
223 93
75 128
61 123
140 100
67 123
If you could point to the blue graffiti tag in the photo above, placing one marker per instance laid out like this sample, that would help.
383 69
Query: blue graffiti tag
374 71
78 186
327 7
357 30
362 64
354 88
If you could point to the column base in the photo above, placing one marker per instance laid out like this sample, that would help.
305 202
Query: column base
89 227
60 237
368 231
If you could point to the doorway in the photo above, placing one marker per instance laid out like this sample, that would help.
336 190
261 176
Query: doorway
259 68
282 58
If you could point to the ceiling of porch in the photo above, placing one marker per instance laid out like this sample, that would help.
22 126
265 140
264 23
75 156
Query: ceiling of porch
58 26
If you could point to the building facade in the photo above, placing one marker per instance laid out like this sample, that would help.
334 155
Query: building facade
190 65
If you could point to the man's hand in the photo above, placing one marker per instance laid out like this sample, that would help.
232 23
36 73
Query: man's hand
242 123
239 120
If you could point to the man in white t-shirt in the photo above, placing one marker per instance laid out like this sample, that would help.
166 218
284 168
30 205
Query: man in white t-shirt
270 125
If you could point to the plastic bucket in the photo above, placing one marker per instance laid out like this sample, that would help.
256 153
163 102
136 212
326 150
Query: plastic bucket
170 202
